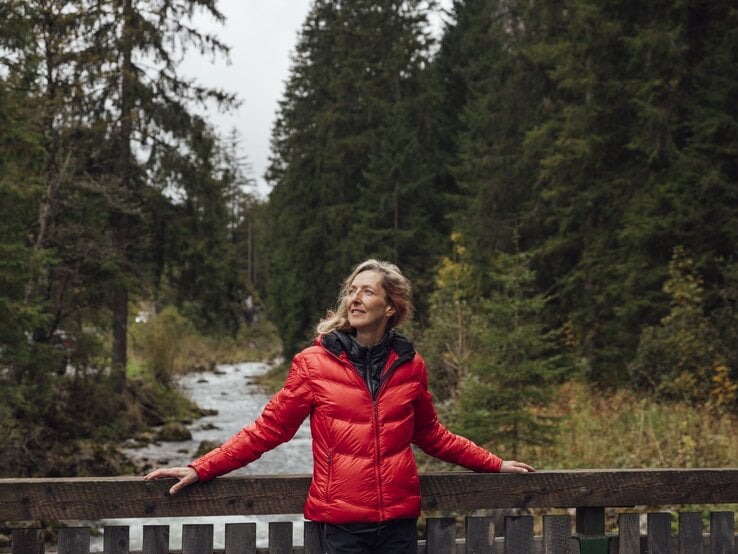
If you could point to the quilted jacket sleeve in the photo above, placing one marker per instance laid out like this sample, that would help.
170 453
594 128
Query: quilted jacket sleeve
430 435
277 423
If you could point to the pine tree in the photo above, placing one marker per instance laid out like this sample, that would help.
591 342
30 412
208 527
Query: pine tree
139 97
512 376
201 269
685 140
350 171
505 92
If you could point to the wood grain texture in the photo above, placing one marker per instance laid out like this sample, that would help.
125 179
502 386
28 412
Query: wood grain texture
120 497
27 541
629 533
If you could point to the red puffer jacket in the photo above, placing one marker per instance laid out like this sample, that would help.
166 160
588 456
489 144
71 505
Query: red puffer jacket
364 466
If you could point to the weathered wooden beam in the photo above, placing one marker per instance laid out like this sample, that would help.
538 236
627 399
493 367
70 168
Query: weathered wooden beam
119 497
564 489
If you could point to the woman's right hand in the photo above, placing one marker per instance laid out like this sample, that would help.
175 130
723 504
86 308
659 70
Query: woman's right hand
185 475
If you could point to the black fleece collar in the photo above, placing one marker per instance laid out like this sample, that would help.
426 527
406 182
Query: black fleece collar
337 342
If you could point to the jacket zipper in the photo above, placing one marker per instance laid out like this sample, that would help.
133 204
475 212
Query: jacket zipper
330 474
375 414
377 458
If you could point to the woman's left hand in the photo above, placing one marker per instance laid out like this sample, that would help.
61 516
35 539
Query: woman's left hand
511 466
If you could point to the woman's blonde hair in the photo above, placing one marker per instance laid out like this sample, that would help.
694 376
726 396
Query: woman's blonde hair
397 288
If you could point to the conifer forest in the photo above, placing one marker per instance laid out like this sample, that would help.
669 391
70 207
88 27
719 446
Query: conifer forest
558 178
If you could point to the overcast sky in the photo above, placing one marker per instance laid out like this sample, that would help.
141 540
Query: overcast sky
262 35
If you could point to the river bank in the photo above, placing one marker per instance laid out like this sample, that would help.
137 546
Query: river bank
233 399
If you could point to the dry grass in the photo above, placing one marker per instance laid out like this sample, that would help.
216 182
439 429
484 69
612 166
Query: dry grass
617 429
167 344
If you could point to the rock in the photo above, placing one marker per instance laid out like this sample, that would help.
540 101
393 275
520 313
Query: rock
205 447
173 432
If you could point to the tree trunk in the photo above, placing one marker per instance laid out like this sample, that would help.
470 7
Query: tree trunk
121 220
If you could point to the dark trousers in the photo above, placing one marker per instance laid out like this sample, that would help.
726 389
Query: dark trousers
399 536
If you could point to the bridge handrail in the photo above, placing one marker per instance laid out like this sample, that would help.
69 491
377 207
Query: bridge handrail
132 497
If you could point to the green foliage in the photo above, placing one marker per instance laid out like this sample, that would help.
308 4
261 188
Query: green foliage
513 375
496 365
160 340
198 267
99 152
352 145
449 342
602 133
680 359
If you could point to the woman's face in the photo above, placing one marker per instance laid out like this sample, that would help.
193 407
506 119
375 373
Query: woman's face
368 309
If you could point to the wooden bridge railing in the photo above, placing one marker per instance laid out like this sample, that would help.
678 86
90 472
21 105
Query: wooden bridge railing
588 491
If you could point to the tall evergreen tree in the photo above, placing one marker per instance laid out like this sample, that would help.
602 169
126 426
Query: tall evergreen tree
485 56
201 271
584 182
144 103
512 376
685 137
351 172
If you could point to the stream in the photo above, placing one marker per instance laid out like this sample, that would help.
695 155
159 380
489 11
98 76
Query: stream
231 391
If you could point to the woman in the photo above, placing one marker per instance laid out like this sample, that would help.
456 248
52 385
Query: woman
366 392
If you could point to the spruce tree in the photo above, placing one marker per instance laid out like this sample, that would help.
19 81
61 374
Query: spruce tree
350 169
139 96
512 375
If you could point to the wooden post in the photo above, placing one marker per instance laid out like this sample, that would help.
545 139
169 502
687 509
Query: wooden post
629 533
518 534
311 538
690 532
591 530
659 533
240 538
28 541
440 535
722 533
155 539
556 534
116 539
74 540
480 535
197 539
280 537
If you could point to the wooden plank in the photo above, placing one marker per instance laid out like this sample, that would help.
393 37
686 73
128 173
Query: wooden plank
197 538
556 534
440 535
690 533
240 538
74 540
116 539
312 538
155 539
659 533
461 492
722 533
629 533
131 497
280 537
27 541
480 535
518 534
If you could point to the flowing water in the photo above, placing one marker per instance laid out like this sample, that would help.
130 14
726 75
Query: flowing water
231 391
